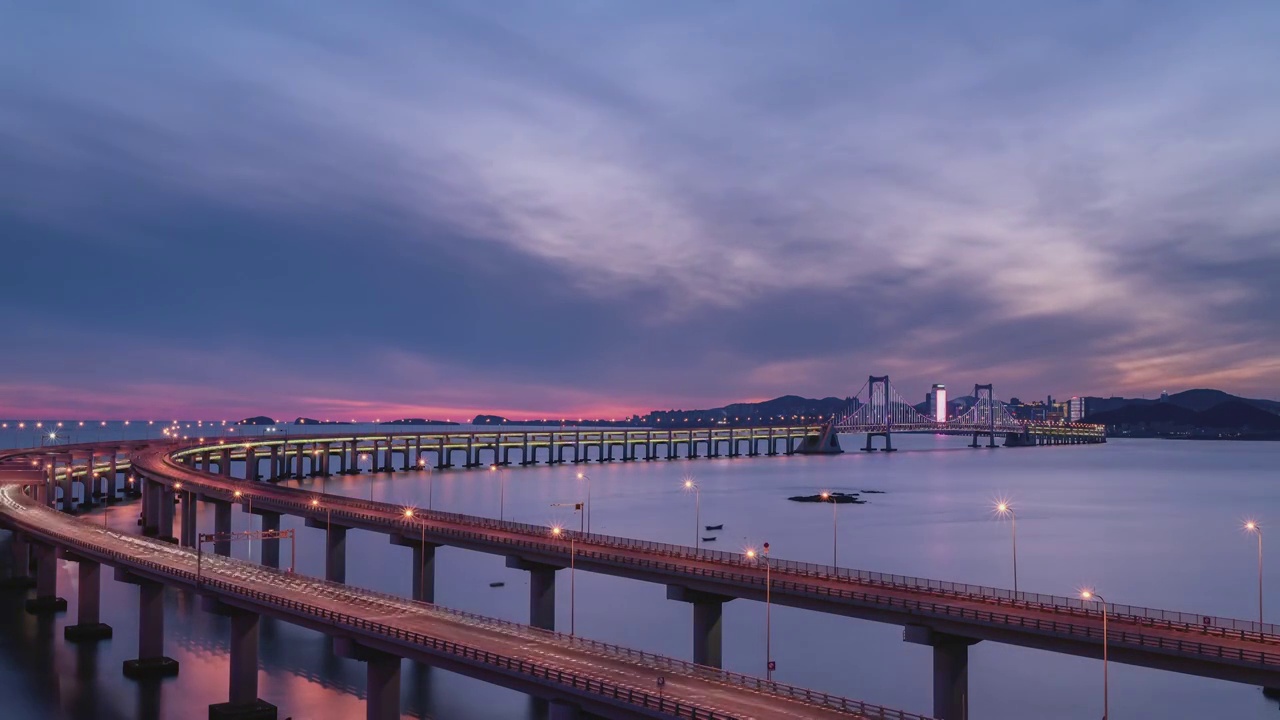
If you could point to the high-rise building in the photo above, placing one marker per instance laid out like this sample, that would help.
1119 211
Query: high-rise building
1075 409
938 402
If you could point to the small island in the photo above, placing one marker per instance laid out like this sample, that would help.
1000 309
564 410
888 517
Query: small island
257 420
839 498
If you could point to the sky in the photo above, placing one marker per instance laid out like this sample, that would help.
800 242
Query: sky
345 210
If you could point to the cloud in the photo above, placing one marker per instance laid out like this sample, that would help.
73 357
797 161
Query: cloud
589 207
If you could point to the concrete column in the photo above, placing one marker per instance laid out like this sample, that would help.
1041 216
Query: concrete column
542 591
707 632
67 486
354 462
383 687
298 460
335 554
46 599
88 482
113 476
324 459
190 529
150 507
221 526
950 670
273 471
563 710
20 576
151 661
164 524
424 567
224 463
250 465
270 548
389 465
89 626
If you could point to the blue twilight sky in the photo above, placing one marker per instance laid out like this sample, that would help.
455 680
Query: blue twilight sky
404 208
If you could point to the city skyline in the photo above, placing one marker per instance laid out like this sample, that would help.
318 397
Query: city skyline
592 212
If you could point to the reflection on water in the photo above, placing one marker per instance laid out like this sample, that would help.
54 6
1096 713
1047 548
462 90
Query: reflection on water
1147 522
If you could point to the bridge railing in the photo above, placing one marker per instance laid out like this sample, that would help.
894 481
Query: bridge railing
631 695
1135 613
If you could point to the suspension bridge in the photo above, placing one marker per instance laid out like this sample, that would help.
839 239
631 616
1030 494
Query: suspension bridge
878 411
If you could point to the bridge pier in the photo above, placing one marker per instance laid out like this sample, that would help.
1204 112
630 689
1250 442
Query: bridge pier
46 599
221 526
190 526
424 567
20 575
950 670
151 661
707 632
150 507
382 678
888 442
270 548
243 702
89 626
542 591
335 554
165 511
563 710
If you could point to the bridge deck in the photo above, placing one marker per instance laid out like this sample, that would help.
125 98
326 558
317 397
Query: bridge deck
492 648
1228 649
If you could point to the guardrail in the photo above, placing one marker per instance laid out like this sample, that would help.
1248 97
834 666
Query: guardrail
1171 619
634 696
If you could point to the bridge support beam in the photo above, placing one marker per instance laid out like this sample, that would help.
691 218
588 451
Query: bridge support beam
270 548
335 554
222 526
950 670
243 702
382 678
542 591
89 626
424 567
563 710
707 633
151 661
46 599
190 526
165 511
20 574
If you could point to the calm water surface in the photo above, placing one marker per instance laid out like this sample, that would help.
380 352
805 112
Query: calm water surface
1146 522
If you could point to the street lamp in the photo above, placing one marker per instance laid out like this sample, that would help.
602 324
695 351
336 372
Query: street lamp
828 497
328 519
502 493
584 476
558 531
690 485
248 499
1255 528
763 557
1003 508
1091 595
422 575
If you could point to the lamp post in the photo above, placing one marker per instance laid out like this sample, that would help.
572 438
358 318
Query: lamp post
422 576
584 476
1003 508
828 497
248 500
431 483
1091 595
763 556
1255 528
502 493
689 484
328 519
559 531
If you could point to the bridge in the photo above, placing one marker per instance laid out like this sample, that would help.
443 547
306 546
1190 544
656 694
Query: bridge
576 676
946 616
878 410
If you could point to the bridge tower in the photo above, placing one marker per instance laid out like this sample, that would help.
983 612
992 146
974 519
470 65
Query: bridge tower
984 403
879 412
